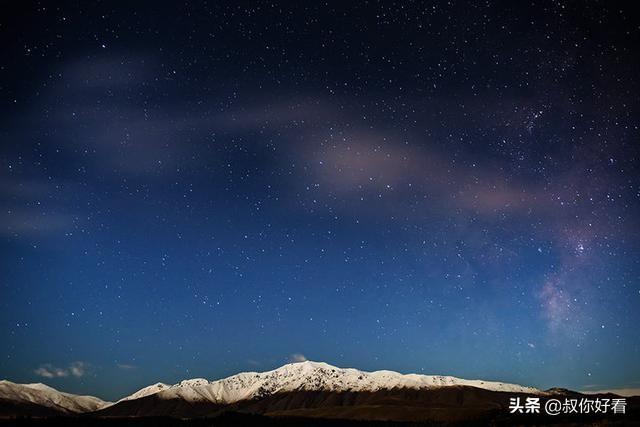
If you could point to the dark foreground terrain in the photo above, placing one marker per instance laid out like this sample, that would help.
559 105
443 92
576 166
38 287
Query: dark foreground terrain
446 406
240 419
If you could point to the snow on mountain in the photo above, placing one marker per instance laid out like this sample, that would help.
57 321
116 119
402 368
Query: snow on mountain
41 394
314 376
302 376
152 389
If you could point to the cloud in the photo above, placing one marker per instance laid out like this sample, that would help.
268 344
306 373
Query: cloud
108 72
126 366
76 369
344 164
49 371
30 222
35 206
291 114
297 357
122 136
363 160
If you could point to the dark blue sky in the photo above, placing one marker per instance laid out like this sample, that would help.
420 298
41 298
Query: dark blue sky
196 190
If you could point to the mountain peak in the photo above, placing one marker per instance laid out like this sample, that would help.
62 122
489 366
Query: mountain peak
40 386
308 364
194 382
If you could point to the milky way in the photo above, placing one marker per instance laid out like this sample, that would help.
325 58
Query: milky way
441 188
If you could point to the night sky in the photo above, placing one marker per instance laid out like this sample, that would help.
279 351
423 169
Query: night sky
193 190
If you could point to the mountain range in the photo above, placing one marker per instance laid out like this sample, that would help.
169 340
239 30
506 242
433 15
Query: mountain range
305 389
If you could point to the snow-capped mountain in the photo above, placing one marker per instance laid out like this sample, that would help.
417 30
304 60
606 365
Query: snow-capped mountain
305 389
48 397
146 391
247 386
310 376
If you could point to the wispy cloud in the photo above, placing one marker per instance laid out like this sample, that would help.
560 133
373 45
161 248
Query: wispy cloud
108 72
297 357
34 206
126 366
49 371
344 162
33 223
76 369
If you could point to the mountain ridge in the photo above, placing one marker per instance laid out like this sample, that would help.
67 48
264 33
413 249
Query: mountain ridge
244 386
310 375
316 389
42 395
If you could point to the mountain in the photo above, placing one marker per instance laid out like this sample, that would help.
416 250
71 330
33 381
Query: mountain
305 393
42 400
312 376
294 382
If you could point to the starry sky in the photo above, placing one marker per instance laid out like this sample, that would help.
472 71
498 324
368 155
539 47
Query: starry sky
193 189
